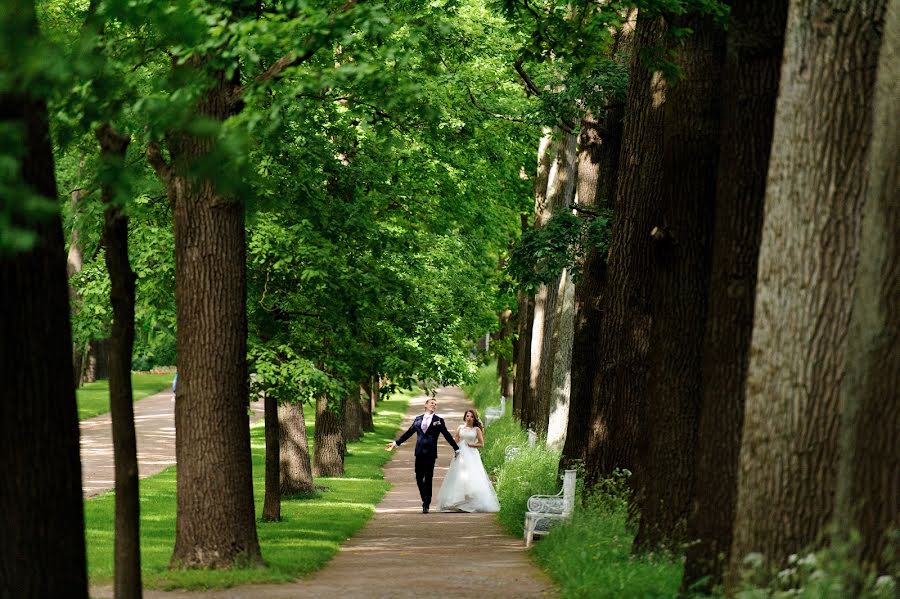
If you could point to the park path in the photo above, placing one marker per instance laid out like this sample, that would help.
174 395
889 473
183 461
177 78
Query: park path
404 553
154 424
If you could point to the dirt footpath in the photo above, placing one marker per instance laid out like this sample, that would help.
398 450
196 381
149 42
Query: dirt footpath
405 553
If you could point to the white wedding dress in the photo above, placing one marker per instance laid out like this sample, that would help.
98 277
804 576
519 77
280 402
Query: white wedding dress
467 487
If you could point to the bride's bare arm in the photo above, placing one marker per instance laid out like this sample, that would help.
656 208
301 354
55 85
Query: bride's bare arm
456 435
479 442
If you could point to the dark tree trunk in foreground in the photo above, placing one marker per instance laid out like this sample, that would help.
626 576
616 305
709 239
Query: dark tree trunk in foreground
113 146
868 486
621 366
749 88
272 502
296 471
42 550
524 316
682 258
216 524
352 417
807 265
328 442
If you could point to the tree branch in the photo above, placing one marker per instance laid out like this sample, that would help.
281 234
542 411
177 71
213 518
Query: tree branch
529 84
159 164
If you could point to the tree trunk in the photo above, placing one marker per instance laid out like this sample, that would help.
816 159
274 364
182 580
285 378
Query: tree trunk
296 471
42 551
598 163
367 405
749 88
113 146
807 264
621 362
74 265
272 502
215 522
560 192
527 368
868 483
682 258
328 442
352 417
503 362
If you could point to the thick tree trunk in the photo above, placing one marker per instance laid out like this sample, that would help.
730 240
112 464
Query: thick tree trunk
560 192
624 338
598 163
529 341
296 471
561 380
215 523
807 264
42 551
113 146
868 484
352 417
272 501
367 405
328 442
749 88
682 259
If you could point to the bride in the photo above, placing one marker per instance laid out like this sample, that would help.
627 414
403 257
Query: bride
467 487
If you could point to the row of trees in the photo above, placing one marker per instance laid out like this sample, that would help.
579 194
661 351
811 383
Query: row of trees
735 344
316 194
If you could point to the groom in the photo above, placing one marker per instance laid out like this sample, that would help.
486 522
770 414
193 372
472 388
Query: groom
427 428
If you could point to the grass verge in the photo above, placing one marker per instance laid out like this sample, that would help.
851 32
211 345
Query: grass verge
590 555
310 533
93 398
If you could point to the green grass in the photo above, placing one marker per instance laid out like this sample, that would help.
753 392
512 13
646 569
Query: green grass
310 533
589 556
93 398
485 391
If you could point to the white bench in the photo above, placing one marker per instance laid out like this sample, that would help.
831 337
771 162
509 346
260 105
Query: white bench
546 510
492 414
512 450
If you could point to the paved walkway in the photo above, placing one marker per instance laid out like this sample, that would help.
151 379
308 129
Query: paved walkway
154 422
405 553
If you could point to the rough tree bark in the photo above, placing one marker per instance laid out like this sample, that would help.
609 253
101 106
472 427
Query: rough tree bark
296 471
749 90
272 500
113 146
503 363
550 387
526 373
367 405
352 422
807 264
42 551
215 521
619 383
328 441
868 483
682 257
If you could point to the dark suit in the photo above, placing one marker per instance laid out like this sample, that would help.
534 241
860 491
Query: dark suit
426 451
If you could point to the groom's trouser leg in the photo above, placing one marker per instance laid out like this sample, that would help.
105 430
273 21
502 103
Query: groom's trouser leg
424 474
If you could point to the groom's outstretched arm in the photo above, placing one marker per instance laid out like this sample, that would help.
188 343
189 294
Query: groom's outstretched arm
406 435
449 438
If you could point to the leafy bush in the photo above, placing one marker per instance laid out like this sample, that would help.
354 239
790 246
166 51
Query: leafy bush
485 391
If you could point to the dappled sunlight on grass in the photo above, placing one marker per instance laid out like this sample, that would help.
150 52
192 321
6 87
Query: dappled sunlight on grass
311 532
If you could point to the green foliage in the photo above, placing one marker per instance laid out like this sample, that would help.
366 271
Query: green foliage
542 253
310 533
484 391
590 555
93 398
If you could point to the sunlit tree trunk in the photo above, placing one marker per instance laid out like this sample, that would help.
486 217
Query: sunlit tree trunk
296 470
749 91
328 442
807 264
42 551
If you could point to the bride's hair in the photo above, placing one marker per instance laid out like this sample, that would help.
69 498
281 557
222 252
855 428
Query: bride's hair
477 422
